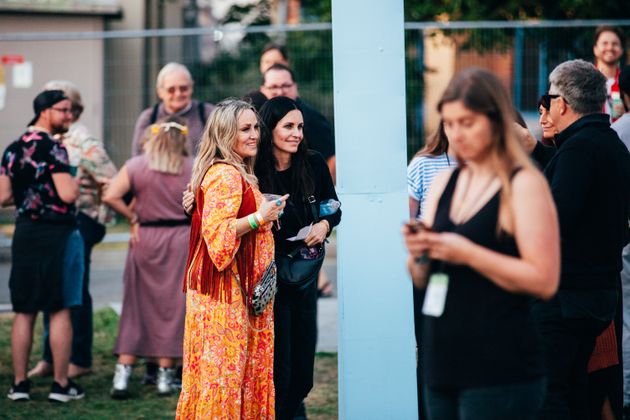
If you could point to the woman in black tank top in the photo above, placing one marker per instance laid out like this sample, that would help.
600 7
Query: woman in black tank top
492 246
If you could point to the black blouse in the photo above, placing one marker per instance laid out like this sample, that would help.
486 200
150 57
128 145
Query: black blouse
486 335
297 213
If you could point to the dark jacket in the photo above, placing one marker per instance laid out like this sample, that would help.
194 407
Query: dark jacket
589 175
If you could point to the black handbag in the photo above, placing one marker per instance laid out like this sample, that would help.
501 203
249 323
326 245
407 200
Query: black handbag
300 268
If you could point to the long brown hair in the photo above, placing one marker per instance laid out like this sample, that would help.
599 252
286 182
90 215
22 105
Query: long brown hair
437 143
218 141
482 92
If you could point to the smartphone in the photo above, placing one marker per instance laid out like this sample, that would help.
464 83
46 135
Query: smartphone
416 226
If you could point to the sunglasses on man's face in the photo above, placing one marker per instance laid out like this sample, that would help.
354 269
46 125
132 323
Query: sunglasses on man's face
545 100
182 89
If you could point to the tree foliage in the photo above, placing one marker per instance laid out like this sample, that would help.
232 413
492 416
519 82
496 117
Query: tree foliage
470 10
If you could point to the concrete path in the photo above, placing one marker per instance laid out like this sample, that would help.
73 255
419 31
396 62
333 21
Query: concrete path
108 261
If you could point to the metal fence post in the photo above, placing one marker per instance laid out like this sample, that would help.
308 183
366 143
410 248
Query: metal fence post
376 345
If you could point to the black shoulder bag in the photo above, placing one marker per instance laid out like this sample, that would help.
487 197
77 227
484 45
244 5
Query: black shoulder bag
300 268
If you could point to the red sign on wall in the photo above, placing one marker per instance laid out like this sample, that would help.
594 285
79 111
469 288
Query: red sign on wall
9 59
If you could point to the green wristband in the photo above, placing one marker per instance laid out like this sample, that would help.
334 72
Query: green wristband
252 222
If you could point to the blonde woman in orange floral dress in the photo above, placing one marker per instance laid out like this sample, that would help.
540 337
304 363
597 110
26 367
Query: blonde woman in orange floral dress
228 353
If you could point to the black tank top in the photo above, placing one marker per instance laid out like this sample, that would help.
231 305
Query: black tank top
486 335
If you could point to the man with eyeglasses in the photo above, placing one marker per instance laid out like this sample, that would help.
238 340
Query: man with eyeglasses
589 175
174 87
35 176
279 80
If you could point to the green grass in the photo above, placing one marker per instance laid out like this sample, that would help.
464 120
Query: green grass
144 404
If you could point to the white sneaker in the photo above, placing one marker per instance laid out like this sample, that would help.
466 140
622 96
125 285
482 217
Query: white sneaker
120 384
164 381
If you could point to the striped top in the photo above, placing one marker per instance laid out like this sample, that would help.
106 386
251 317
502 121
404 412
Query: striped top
421 172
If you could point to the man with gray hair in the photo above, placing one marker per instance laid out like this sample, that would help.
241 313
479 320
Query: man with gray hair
174 87
589 176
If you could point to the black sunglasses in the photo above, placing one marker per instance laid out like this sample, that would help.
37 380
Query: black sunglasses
545 100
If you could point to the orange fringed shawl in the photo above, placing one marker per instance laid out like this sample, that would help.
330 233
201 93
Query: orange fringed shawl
211 281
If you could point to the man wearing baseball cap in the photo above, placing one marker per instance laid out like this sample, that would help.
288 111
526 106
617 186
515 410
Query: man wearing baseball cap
35 176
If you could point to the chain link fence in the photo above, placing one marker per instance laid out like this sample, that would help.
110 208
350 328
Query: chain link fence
224 63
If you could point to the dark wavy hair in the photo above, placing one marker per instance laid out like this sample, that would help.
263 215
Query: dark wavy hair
302 183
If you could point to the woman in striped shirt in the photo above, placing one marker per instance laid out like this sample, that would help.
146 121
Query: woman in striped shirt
425 165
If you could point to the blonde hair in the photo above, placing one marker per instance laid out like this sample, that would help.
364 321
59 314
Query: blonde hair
165 146
218 142
481 91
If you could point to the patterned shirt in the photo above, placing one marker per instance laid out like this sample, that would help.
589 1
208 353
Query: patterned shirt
420 174
94 170
30 163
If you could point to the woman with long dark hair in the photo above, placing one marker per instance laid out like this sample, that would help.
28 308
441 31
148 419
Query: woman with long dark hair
284 165
489 243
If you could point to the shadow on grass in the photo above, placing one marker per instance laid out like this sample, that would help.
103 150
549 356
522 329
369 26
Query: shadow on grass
144 404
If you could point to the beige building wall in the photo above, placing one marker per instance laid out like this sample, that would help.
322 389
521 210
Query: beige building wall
440 61
78 61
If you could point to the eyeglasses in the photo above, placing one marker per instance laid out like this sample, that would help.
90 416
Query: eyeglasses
280 87
182 89
545 100
63 110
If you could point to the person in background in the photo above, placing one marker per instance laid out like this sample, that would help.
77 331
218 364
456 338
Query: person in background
152 319
603 364
432 159
549 130
228 352
94 171
35 176
622 127
271 54
284 165
588 173
608 50
174 87
479 254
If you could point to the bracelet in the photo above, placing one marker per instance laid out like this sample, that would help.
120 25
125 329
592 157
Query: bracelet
252 221
259 218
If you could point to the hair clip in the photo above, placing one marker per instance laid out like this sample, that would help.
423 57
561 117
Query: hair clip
155 128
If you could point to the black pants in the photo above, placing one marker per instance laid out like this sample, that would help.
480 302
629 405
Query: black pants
569 343
515 401
81 316
295 320
418 317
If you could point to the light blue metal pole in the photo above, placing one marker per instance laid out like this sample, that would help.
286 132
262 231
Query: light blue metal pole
376 342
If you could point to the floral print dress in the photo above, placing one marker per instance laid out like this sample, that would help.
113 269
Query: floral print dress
228 354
